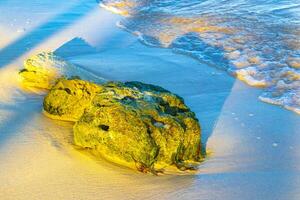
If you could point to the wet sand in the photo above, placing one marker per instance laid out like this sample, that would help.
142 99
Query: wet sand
254 147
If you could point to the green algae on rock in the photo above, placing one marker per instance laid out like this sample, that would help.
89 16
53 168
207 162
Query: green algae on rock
140 125
68 98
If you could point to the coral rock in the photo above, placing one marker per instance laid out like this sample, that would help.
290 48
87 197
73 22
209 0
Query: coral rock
140 125
67 99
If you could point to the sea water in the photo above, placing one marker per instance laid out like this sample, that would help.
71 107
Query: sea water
256 41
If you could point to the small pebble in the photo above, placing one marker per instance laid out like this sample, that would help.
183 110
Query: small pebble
251 115
258 138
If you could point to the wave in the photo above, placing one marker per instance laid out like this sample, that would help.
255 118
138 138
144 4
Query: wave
257 42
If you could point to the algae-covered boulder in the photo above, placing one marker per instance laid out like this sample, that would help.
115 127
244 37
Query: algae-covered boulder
68 98
140 125
133 124
42 70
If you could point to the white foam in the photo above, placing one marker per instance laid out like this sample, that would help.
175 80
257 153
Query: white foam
248 75
246 46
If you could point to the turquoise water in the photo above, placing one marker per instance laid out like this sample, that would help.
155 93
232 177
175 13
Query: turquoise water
256 41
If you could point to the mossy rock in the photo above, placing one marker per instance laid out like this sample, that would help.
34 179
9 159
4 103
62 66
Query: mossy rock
140 125
68 98
133 124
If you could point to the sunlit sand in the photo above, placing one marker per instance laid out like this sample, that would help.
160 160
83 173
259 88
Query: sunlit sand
253 146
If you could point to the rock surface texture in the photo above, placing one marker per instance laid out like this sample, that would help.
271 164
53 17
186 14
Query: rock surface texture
140 124
68 98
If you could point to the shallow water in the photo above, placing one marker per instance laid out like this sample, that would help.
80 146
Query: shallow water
256 41
252 157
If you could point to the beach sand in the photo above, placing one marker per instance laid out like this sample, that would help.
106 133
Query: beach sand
253 147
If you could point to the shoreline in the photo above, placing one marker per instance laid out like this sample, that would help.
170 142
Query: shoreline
255 145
